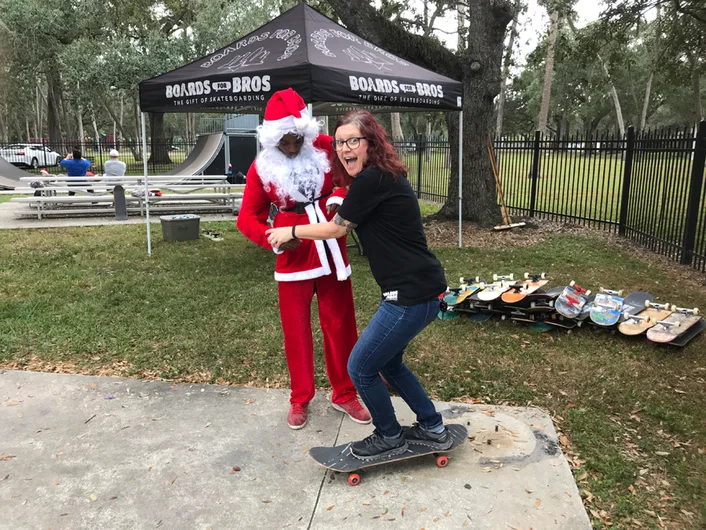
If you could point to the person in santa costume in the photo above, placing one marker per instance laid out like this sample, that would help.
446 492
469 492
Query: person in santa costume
292 171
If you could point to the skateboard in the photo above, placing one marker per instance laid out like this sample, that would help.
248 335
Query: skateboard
635 303
607 307
674 325
447 302
571 301
120 204
519 291
467 289
541 300
641 321
340 458
494 290
683 339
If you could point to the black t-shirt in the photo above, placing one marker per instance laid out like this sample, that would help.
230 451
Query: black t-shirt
389 222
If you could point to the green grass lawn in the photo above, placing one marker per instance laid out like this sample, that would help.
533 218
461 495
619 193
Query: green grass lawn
631 412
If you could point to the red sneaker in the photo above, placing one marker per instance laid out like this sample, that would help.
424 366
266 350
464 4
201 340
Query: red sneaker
297 415
354 409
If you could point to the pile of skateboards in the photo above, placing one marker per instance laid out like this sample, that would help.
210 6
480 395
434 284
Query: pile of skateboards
569 307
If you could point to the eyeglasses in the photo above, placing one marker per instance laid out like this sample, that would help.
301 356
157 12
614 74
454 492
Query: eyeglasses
352 143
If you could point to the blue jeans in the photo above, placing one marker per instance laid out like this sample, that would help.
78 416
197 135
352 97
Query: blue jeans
379 350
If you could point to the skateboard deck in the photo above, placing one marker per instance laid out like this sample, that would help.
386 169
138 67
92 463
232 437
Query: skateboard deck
120 204
641 321
494 290
635 303
467 289
340 458
684 339
447 313
571 301
520 290
541 300
674 325
607 308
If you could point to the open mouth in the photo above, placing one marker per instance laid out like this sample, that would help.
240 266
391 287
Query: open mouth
350 161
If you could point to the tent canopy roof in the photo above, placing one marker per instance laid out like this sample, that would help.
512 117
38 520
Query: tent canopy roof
329 66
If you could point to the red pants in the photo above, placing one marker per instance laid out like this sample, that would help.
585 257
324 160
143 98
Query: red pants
337 319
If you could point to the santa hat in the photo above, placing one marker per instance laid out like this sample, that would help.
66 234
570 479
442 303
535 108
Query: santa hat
286 113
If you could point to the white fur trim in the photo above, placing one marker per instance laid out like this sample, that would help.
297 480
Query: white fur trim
335 252
287 175
311 214
301 275
334 200
277 251
308 275
272 131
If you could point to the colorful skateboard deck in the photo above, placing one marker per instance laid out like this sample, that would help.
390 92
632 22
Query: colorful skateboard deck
571 301
520 290
674 325
607 307
340 458
450 297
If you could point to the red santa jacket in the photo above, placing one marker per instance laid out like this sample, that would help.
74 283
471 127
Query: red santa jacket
309 260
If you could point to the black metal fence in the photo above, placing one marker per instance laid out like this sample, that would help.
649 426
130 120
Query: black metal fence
648 186
41 154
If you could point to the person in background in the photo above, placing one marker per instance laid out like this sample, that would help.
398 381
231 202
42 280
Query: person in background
114 167
76 166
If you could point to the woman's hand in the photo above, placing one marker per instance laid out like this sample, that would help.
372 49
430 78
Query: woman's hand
333 208
279 236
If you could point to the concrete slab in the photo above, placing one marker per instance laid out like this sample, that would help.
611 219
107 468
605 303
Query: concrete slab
512 474
99 452
10 221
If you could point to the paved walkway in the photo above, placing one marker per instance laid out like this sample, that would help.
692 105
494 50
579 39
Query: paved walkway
107 453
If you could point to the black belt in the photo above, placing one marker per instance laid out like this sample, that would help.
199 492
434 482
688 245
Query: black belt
300 207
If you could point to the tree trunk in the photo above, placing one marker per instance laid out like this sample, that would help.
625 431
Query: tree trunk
461 26
506 72
96 134
38 114
138 135
53 119
548 74
27 130
696 91
130 143
159 150
79 120
616 99
427 133
479 69
397 134
122 114
646 102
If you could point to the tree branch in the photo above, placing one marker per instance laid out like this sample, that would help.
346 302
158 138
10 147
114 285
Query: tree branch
363 19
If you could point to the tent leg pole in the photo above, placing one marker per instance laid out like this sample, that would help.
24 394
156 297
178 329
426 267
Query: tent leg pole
147 188
460 179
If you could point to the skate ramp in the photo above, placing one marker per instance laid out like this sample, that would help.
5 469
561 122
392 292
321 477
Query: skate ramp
10 175
205 151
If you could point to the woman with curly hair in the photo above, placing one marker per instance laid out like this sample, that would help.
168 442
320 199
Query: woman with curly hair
383 209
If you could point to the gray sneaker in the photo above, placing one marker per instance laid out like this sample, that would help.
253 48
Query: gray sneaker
419 435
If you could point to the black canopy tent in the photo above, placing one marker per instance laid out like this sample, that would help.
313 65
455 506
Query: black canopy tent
332 69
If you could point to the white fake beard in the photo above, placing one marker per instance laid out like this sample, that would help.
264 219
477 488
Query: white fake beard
300 178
